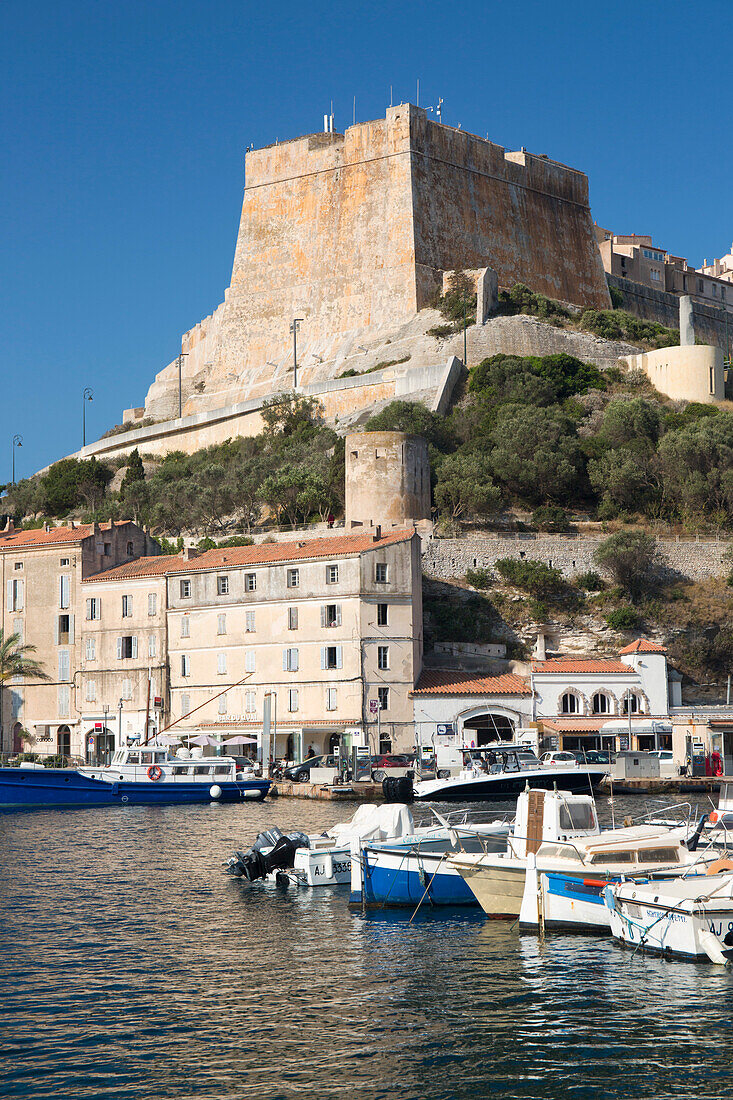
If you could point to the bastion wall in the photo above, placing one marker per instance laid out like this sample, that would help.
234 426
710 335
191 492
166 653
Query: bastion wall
352 232
696 559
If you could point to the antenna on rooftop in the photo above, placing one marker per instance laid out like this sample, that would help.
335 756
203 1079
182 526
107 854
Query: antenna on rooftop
390 103
418 92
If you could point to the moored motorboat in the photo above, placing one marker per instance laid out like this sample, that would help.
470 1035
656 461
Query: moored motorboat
503 773
137 776
417 868
562 830
687 917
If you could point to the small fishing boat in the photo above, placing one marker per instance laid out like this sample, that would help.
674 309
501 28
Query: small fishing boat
137 776
503 774
323 859
392 875
562 830
688 917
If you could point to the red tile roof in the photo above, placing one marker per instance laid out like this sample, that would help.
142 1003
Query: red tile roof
266 553
643 645
585 664
441 681
19 540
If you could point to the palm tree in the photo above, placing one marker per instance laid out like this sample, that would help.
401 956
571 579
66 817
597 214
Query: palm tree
16 660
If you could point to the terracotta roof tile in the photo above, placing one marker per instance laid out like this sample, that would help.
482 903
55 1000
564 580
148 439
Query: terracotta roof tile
571 664
40 537
643 645
142 567
441 681
266 553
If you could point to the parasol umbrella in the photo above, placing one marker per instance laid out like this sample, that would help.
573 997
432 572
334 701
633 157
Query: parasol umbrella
204 740
240 739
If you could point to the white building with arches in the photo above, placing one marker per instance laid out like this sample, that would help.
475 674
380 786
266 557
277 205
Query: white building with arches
573 703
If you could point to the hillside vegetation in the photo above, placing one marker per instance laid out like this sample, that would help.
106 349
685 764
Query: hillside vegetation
553 434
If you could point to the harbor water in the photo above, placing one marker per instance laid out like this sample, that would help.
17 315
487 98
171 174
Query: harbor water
132 967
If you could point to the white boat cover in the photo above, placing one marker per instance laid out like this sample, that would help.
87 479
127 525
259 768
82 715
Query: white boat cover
385 822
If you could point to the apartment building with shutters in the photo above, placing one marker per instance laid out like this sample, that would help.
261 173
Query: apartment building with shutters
328 629
42 573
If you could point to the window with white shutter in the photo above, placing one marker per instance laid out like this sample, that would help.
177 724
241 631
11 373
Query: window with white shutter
152 646
127 607
91 649
185 627
249 622
91 691
293 699
331 698
64 591
250 702
222 704
221 663
18 628
290 660
127 689
64 664
221 624
185 665
292 618
185 704
94 608
249 661
152 603
64 700
134 646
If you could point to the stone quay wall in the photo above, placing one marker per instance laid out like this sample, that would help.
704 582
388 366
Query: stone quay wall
664 307
695 559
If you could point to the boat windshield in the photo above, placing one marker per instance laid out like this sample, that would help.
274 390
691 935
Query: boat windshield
575 816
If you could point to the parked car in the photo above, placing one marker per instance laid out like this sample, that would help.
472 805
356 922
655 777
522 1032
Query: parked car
388 762
301 773
594 756
556 757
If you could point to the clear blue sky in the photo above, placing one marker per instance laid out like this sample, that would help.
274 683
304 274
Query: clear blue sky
124 128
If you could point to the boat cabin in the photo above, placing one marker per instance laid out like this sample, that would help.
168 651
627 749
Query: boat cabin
544 816
154 764
636 847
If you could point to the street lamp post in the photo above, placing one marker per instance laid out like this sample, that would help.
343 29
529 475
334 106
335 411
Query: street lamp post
88 395
181 357
17 442
294 329
119 725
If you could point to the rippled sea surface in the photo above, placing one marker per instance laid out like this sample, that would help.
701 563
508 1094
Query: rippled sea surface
130 966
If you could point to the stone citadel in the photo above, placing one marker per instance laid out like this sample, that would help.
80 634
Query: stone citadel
353 233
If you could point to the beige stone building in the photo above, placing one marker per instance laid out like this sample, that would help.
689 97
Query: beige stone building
327 629
42 574
635 257
387 480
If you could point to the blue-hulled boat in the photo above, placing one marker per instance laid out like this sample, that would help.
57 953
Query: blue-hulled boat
392 875
138 776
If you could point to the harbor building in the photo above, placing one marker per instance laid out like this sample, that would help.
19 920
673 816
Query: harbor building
572 703
328 630
42 574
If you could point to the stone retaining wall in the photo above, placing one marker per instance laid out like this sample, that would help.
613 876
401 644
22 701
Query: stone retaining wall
450 558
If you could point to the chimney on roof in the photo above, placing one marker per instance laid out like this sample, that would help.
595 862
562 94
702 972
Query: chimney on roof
72 525
378 532
540 649
47 527
9 525
95 528
189 553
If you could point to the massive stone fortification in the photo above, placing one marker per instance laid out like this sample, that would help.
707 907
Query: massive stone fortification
352 233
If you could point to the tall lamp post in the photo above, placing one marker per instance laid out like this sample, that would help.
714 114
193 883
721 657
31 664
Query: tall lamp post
181 357
17 442
294 329
88 395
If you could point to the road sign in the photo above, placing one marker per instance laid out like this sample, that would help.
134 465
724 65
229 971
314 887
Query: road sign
91 742
446 729
374 706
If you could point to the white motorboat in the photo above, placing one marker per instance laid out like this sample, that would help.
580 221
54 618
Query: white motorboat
503 773
688 917
562 830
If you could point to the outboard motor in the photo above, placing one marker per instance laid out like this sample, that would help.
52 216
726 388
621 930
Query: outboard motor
694 840
271 851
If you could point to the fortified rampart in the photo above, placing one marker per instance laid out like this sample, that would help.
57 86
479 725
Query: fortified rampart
711 325
696 559
352 233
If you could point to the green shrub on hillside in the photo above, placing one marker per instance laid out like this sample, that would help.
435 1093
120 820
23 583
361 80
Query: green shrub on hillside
550 517
520 299
629 556
617 324
590 581
479 578
623 618
540 580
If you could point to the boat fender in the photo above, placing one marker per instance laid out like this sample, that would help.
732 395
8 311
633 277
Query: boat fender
397 789
155 773
215 791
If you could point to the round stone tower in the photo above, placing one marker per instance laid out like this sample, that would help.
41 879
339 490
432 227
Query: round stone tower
387 480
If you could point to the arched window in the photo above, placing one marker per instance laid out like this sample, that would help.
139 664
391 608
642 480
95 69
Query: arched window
569 703
601 703
632 703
